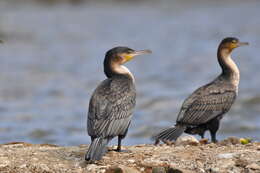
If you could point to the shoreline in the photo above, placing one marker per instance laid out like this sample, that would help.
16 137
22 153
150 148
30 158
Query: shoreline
226 156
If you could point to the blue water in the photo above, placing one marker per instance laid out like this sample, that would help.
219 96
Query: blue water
52 61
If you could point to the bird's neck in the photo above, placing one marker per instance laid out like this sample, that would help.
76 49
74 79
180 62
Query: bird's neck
230 70
116 69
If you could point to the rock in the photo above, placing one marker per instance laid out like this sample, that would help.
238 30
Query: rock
253 166
204 141
4 162
225 164
173 170
213 170
226 155
159 170
165 170
201 170
121 169
131 161
230 141
148 169
186 140
241 163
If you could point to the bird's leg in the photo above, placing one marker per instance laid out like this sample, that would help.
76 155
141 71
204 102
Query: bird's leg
202 135
202 132
119 149
213 136
157 141
119 144
213 128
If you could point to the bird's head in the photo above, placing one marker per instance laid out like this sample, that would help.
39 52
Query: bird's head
231 43
121 55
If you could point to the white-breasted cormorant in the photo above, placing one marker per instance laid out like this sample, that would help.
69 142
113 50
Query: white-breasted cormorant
205 107
112 103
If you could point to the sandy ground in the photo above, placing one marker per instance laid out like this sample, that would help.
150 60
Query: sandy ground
226 156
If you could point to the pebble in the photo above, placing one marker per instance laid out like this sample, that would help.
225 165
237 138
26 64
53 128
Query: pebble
44 167
91 167
226 155
225 164
230 141
202 170
214 170
159 170
23 166
4 162
131 160
186 140
253 166
204 141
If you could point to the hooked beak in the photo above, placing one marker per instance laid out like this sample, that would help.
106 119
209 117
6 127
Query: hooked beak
242 44
140 52
130 56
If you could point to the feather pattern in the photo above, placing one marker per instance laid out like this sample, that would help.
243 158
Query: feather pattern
96 149
207 102
111 107
110 111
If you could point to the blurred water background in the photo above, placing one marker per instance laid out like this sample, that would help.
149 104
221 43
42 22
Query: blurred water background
53 53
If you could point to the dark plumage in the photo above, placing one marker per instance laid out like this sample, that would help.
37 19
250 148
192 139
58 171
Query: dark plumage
112 103
205 107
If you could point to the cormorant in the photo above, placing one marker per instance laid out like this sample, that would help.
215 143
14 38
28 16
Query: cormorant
112 103
206 106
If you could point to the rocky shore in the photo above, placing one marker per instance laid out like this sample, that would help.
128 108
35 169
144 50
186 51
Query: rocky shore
226 156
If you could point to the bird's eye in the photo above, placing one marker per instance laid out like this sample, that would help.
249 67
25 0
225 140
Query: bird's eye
234 41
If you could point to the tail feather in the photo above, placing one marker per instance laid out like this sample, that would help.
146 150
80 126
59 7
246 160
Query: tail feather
96 149
170 134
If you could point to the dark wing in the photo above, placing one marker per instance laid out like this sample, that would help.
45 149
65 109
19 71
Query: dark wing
111 108
206 103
